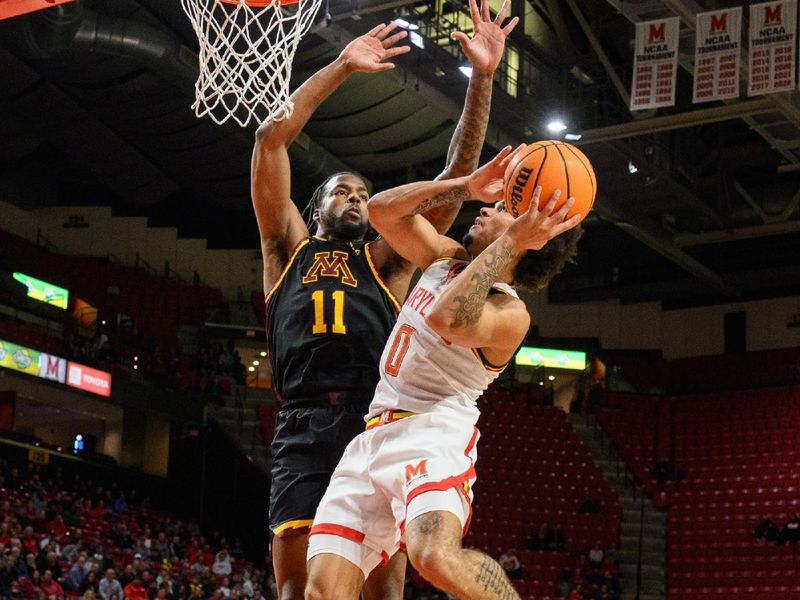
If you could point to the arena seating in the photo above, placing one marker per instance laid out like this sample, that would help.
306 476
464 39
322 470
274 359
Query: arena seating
25 335
640 428
740 451
157 304
533 469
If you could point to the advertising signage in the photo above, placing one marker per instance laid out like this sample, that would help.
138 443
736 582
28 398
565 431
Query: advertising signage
551 358
47 366
43 291
89 380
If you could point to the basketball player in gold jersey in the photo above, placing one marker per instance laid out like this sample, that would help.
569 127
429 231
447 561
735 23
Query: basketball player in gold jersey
331 298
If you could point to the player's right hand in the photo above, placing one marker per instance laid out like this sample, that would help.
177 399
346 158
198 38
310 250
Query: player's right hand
486 183
533 229
370 52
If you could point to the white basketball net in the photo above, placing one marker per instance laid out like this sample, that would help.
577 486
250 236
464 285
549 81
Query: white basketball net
246 57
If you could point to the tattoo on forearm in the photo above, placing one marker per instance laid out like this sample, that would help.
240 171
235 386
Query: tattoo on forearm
458 194
492 578
465 149
470 307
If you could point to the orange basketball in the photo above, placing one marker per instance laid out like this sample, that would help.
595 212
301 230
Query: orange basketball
554 165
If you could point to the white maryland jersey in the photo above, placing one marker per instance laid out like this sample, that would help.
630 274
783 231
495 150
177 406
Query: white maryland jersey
421 371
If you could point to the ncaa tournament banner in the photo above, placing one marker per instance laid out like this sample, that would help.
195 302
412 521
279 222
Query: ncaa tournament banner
716 56
773 37
655 63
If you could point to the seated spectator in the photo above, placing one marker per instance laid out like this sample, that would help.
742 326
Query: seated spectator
57 527
596 556
590 506
50 586
791 531
511 564
135 590
767 531
90 582
109 585
576 593
222 564
89 595
76 574
542 540
120 506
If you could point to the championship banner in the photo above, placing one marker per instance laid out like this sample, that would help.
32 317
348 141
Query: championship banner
718 43
655 63
773 27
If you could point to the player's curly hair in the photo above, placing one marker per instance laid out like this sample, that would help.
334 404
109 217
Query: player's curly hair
536 269
316 198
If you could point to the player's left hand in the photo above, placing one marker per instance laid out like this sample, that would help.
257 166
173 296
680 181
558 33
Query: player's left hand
485 49
486 183
372 52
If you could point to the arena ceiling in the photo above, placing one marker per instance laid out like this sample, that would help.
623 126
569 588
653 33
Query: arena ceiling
94 109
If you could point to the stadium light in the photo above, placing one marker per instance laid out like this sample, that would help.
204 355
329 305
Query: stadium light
406 25
632 168
556 126
467 71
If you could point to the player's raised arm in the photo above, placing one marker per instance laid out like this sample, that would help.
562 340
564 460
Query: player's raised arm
465 313
397 213
280 223
484 50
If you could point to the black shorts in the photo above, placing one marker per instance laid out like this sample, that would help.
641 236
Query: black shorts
307 446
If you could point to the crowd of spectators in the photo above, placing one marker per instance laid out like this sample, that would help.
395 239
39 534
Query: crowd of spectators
74 538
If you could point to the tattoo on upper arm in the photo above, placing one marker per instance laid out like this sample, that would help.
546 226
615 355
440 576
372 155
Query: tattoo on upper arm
469 308
458 194
493 579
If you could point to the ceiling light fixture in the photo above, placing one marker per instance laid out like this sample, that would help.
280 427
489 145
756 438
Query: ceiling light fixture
556 126
572 137
406 25
632 168
467 71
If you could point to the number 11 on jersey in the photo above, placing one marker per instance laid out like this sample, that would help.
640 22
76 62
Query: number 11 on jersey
318 297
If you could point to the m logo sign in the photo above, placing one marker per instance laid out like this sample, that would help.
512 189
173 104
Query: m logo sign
418 470
719 24
657 33
773 15
330 264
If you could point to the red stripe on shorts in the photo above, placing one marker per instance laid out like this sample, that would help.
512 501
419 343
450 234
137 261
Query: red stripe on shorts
450 482
340 530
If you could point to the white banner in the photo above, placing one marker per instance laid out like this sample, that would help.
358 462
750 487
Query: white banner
716 56
655 63
773 27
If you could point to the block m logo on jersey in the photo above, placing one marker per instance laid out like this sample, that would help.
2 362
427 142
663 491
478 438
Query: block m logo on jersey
330 264
415 471
657 33
773 15
719 23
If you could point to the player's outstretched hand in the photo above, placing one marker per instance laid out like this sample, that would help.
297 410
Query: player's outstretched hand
486 182
485 49
371 52
533 229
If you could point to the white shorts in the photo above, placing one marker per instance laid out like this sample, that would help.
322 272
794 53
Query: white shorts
389 475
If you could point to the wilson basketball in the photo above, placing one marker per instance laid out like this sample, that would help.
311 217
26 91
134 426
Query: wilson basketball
554 165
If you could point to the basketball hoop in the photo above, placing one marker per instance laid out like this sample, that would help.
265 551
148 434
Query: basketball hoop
246 53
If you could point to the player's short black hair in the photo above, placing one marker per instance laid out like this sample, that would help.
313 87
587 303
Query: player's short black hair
537 268
316 198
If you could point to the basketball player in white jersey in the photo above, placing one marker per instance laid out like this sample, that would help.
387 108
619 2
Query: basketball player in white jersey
408 478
